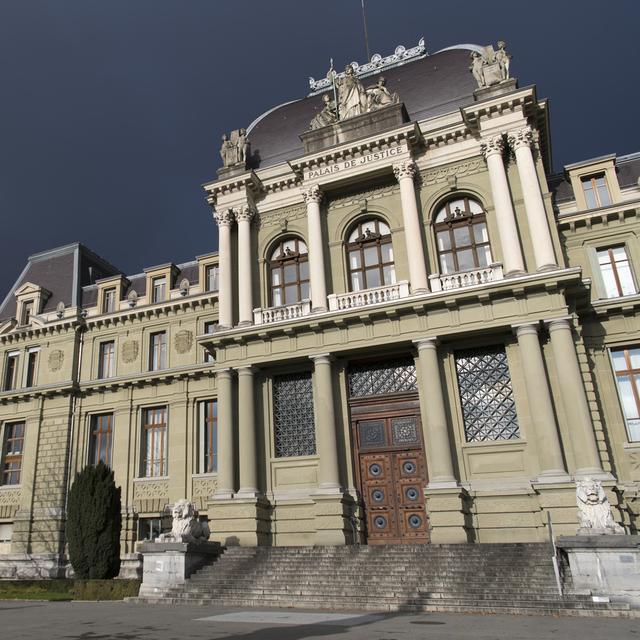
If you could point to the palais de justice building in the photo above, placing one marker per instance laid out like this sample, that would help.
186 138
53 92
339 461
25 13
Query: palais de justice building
412 331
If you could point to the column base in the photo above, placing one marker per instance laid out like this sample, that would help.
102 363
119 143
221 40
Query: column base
245 323
319 309
547 267
242 521
447 512
332 514
515 273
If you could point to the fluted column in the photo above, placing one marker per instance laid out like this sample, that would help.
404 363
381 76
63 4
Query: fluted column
244 216
437 445
313 196
574 398
405 173
247 432
226 453
326 440
512 260
540 404
224 218
520 141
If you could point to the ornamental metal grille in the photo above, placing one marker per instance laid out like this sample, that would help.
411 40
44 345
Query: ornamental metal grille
393 376
295 432
488 408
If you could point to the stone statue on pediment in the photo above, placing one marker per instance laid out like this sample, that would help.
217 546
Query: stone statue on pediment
379 96
490 67
328 114
352 96
234 148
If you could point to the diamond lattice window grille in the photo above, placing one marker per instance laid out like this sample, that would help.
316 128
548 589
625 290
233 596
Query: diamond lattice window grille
382 377
294 426
484 383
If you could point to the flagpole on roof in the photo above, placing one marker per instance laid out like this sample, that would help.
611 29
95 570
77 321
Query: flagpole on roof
366 35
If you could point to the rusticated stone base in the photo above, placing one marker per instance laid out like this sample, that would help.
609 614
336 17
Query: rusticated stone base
240 521
22 566
333 512
447 509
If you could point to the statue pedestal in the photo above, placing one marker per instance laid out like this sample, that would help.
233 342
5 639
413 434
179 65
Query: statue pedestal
505 86
366 124
232 171
606 565
167 565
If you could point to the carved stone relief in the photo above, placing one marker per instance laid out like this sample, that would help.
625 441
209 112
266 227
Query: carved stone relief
11 496
183 341
443 173
130 350
204 487
56 360
151 489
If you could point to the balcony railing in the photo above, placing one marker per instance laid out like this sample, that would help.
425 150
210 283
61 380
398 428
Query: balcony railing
280 314
344 301
449 281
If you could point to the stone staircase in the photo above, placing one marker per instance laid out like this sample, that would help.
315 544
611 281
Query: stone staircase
473 578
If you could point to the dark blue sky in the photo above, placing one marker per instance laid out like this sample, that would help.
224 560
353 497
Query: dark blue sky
111 111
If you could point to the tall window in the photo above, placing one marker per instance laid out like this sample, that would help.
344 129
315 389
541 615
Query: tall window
370 256
289 273
461 236
27 312
208 461
11 371
211 277
154 428
294 424
486 396
616 272
109 301
626 363
209 327
101 433
106 359
595 190
159 289
158 351
12 448
32 368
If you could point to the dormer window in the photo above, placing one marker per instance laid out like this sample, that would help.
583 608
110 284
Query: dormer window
109 300
596 192
462 238
27 312
159 290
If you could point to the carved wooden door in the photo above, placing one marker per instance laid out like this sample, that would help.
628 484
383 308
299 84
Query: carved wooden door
392 474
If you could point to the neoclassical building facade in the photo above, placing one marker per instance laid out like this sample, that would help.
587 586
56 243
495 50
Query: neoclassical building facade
412 331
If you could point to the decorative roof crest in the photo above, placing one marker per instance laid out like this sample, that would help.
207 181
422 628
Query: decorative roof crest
400 56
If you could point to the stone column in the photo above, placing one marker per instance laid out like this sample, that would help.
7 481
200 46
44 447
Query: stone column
247 432
574 398
540 405
312 197
245 264
405 173
521 141
327 445
437 444
226 453
224 218
513 262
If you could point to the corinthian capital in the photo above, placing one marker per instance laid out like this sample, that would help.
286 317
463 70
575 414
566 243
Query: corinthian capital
405 169
520 138
244 213
492 146
312 194
224 217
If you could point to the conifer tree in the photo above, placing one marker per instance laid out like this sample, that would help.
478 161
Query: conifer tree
93 523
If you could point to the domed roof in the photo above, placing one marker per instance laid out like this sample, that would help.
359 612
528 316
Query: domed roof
431 86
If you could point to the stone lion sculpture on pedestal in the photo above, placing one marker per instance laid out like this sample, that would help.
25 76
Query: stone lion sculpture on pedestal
186 527
594 510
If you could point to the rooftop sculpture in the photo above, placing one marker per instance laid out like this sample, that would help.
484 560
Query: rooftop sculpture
234 148
491 67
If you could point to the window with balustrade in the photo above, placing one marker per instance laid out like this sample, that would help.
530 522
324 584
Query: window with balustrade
370 256
462 238
288 273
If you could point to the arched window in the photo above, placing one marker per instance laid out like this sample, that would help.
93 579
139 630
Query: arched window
461 236
370 256
289 272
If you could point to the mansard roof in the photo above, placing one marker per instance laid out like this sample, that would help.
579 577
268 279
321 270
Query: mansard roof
430 86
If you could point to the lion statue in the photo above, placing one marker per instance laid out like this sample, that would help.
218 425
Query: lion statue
594 510
186 527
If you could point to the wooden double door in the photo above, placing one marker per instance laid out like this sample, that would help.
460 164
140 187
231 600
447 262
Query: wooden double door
390 469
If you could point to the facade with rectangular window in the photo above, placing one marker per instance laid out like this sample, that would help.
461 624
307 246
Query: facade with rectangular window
420 341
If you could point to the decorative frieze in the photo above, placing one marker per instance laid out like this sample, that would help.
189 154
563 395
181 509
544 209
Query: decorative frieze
443 174
145 489
9 496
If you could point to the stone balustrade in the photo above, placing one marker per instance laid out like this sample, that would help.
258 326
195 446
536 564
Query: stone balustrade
446 282
353 299
281 314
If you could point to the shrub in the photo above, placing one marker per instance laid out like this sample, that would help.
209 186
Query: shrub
93 524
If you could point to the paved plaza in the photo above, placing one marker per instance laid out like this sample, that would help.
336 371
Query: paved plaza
124 621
